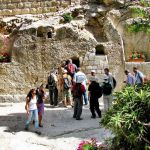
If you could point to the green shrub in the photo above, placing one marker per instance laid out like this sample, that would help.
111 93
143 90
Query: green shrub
129 119
67 17
137 27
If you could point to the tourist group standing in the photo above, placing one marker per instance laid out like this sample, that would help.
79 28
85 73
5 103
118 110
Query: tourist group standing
78 90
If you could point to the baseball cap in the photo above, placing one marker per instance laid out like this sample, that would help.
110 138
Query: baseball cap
93 71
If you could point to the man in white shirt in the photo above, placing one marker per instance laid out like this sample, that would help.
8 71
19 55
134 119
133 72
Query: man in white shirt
81 77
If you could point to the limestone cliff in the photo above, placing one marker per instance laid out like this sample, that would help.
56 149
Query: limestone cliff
96 35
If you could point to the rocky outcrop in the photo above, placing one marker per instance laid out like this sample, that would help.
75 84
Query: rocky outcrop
97 36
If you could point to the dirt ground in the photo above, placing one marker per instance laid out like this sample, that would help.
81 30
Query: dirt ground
60 131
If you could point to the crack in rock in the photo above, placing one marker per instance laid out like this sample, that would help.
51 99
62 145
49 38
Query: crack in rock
75 131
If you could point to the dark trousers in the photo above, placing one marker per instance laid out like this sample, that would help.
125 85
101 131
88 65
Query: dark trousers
53 94
78 103
94 106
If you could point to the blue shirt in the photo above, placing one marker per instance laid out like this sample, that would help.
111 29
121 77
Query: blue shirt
130 79
138 77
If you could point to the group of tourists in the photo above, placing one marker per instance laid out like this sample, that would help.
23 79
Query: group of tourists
78 90
137 78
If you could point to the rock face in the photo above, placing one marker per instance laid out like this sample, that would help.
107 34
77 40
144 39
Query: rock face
95 38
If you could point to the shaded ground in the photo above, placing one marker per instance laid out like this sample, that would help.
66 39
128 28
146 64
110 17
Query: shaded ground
60 131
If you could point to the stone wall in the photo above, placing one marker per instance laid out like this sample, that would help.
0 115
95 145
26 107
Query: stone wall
15 7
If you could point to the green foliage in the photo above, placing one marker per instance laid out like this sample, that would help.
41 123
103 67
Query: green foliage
129 118
67 17
137 27
140 12
145 3
143 23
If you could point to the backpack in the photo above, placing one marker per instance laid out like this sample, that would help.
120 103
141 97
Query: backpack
67 83
70 68
107 89
99 92
51 81
96 89
114 82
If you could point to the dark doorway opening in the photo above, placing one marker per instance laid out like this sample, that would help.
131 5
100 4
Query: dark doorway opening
76 61
100 50
49 34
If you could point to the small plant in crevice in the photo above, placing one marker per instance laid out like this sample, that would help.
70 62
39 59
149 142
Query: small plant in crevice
67 17
129 119
5 57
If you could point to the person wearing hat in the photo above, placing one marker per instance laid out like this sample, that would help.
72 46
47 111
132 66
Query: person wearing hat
93 76
95 92
130 78
67 84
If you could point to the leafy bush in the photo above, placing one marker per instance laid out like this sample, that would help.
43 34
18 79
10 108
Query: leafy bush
67 17
137 27
129 119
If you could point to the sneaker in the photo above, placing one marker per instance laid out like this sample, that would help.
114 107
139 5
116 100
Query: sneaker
26 128
40 125
38 132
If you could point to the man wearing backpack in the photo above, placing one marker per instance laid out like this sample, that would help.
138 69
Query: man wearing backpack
52 86
95 92
67 84
111 79
71 68
109 85
107 93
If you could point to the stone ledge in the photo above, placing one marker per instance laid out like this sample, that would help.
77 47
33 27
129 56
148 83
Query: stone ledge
12 98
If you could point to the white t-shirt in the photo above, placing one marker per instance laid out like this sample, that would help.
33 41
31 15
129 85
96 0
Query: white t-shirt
32 103
80 77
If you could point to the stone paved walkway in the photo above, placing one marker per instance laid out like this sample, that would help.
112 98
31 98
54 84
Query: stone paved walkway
60 131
